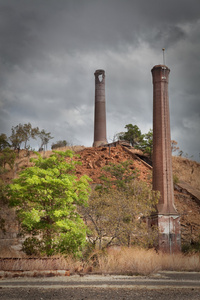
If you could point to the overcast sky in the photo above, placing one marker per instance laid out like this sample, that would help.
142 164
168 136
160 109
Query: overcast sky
50 49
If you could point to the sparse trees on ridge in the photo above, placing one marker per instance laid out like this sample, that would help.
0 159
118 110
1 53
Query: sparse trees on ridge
22 134
133 135
3 141
45 137
138 140
143 142
59 144
7 156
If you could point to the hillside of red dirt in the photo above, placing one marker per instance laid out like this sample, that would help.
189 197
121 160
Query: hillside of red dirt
94 159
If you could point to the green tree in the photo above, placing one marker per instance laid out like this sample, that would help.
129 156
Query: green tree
46 197
22 134
146 143
3 201
118 209
29 132
133 135
45 138
17 136
7 156
3 141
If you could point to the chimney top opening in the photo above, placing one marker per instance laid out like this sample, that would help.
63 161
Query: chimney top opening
100 77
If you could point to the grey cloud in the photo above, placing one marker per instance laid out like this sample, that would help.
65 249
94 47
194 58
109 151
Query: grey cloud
49 52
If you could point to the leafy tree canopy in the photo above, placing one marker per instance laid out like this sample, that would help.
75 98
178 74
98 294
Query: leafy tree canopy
46 197
7 156
133 134
117 209
141 141
22 134
45 137
3 141
146 143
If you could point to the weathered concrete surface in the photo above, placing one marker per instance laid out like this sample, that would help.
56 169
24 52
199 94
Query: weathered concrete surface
169 232
163 286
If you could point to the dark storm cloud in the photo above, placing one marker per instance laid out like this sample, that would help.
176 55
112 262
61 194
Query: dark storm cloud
49 50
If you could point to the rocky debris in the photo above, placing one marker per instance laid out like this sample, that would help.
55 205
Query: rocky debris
94 159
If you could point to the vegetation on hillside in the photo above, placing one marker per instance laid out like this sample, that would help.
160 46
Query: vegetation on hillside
22 134
134 136
46 197
144 142
59 144
117 209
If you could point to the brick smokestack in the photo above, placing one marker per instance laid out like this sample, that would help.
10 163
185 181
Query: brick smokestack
100 109
166 216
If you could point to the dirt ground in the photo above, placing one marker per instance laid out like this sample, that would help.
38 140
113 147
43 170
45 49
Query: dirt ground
98 293
161 286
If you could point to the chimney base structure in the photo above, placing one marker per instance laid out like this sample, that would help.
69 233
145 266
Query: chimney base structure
100 110
166 216
169 237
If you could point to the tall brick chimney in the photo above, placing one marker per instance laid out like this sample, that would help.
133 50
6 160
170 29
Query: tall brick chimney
166 216
100 109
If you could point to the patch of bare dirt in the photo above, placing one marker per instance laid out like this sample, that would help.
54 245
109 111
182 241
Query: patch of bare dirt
94 159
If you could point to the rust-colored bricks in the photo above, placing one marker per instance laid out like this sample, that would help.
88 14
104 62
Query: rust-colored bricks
100 109
166 216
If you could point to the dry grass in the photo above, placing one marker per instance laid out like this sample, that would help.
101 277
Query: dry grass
140 261
27 264
187 170
127 261
180 262
72 148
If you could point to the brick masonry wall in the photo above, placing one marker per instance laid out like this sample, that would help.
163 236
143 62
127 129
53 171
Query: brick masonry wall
162 163
166 218
100 110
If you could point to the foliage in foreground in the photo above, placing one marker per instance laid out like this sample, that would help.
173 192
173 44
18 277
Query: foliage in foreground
46 197
117 211
119 260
